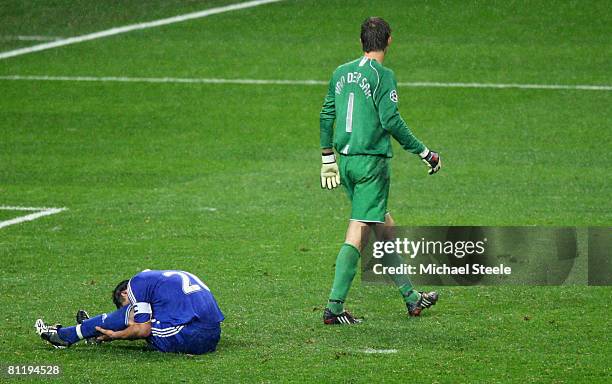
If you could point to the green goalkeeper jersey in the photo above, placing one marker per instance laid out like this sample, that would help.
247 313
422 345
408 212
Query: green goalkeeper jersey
362 99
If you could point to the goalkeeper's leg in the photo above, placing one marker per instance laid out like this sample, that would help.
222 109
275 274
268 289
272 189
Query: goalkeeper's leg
386 232
415 300
346 265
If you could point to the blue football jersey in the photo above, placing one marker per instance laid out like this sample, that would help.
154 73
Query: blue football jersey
172 297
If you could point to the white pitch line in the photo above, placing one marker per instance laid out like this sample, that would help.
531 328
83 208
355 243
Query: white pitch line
122 79
381 351
31 38
509 85
32 216
12 208
134 27
186 80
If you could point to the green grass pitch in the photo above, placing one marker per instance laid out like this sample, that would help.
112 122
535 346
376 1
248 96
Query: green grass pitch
222 180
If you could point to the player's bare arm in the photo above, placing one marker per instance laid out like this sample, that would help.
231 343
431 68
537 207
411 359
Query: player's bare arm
134 331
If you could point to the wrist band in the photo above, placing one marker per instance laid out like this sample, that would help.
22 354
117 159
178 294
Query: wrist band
328 159
424 153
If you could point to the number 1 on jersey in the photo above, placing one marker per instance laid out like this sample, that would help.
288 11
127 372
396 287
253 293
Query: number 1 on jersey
349 112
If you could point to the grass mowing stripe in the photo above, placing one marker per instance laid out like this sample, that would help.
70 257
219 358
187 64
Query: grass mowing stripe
124 79
134 27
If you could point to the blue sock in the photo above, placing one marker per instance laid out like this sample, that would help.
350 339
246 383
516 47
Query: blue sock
115 321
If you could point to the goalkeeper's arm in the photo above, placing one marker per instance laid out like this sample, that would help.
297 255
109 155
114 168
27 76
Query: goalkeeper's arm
330 175
400 132
392 122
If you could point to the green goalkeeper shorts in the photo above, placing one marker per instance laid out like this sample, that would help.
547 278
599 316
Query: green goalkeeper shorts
366 179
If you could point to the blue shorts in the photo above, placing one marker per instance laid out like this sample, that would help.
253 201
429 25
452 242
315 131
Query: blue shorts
194 338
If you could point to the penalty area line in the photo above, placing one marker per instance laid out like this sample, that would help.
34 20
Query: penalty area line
204 80
38 213
134 27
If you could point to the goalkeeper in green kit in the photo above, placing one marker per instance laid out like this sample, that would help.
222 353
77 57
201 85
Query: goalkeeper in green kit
362 100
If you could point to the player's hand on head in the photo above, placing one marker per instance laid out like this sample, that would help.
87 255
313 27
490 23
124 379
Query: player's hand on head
432 159
330 175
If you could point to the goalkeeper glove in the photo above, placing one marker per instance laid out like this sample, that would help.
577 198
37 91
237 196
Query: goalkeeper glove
330 175
432 159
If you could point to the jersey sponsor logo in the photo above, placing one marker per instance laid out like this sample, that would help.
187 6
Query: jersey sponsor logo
354 78
393 96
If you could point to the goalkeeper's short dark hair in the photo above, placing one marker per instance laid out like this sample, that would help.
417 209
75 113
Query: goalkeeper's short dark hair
122 286
375 33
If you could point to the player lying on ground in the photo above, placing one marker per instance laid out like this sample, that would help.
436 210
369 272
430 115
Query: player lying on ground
174 311
362 100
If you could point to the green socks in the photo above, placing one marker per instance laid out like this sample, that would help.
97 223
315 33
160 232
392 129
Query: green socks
409 294
401 281
346 268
